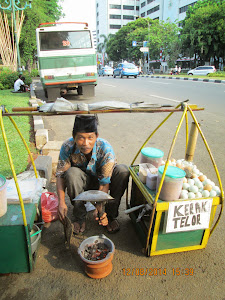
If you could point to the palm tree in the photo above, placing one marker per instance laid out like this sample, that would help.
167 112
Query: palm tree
102 47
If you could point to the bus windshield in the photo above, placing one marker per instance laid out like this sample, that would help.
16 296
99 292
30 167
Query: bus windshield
61 40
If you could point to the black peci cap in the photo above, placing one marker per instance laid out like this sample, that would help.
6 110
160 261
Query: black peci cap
84 123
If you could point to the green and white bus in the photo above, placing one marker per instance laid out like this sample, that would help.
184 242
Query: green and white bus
66 58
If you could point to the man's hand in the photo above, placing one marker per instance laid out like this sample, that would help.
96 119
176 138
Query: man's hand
62 211
103 220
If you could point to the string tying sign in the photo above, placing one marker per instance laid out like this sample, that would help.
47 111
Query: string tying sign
188 215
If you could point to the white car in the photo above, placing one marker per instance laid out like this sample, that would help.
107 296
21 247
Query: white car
203 70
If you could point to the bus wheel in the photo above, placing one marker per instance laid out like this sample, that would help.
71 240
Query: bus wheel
79 90
46 93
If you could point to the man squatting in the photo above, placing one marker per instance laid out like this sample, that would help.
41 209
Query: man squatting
87 162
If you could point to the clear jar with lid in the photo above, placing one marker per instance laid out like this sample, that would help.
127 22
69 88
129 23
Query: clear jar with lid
151 155
172 184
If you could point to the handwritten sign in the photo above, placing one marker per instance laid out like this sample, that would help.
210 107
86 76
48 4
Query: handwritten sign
188 215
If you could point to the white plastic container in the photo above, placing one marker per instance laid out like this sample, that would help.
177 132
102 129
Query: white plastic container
172 184
3 196
151 180
143 171
152 155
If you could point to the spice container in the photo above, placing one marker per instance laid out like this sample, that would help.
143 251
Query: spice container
152 175
143 169
152 155
172 184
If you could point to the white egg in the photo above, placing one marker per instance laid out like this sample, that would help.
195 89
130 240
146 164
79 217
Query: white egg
191 195
193 189
216 188
196 180
218 193
191 181
186 186
179 161
200 173
212 183
198 195
199 185
196 171
213 193
206 181
183 194
205 193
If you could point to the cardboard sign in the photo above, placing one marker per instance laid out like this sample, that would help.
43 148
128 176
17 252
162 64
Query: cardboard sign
188 215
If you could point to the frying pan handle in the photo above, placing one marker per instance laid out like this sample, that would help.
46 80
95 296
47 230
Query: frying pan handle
25 109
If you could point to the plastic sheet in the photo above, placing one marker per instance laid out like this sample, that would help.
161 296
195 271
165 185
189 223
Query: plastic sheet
31 188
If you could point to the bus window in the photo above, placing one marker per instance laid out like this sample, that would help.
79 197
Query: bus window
65 40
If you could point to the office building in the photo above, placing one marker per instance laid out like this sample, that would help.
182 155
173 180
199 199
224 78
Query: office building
111 15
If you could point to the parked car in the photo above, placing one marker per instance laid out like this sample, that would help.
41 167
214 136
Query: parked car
126 69
106 71
202 70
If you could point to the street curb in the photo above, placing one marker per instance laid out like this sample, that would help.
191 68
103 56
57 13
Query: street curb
185 78
43 162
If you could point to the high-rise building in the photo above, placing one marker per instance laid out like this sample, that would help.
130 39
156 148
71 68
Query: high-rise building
111 15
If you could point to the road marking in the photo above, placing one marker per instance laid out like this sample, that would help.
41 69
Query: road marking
161 82
165 98
109 85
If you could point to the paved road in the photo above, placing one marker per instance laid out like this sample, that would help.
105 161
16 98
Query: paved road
59 274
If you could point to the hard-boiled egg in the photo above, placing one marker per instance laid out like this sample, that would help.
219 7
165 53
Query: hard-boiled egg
186 186
208 187
193 189
198 195
213 193
202 178
205 193
191 181
191 195
184 194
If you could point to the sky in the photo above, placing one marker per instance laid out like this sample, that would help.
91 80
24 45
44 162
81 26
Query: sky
79 11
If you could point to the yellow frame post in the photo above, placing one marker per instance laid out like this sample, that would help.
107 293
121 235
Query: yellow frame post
16 181
216 200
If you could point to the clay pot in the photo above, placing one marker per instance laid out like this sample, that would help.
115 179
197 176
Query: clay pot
100 268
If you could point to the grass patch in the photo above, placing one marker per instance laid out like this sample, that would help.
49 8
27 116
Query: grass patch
17 149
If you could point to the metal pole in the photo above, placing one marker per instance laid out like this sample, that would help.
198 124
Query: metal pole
16 38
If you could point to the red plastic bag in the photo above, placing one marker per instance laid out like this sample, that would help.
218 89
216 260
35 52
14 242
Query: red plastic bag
49 206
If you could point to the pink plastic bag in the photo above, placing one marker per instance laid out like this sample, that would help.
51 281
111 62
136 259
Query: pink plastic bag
49 206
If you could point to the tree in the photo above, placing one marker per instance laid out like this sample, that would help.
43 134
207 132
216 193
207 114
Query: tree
157 34
41 12
101 48
203 31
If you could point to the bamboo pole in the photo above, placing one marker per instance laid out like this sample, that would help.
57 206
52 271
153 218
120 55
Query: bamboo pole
189 156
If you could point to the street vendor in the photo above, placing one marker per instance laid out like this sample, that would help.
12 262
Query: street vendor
87 162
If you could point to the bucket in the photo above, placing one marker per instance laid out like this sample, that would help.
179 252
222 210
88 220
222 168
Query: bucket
172 184
3 196
35 239
100 268
153 156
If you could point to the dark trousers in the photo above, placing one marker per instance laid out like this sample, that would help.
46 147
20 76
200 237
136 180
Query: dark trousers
78 181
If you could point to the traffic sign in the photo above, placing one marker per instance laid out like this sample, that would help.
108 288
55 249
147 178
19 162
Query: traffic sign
134 43
144 49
